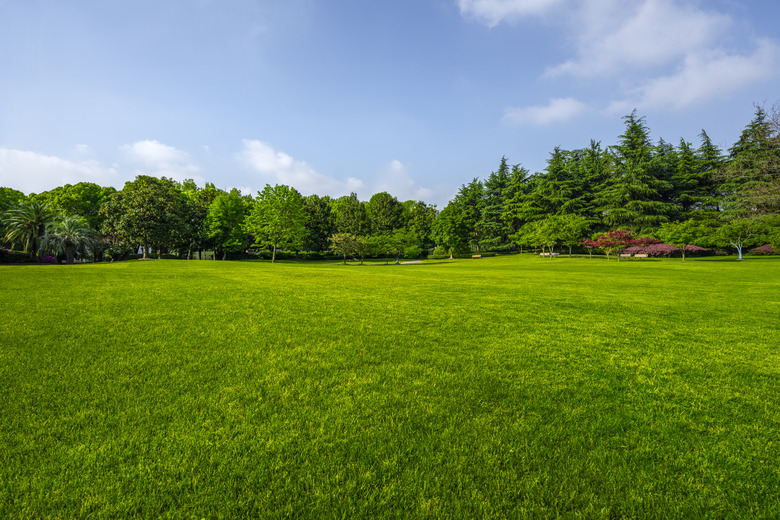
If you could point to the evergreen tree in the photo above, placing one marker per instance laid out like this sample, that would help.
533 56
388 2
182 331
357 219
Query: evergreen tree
710 161
557 192
633 197
688 193
491 226
752 174
595 168
514 198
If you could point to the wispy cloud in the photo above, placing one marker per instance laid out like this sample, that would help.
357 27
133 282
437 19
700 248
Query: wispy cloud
161 160
612 38
396 180
703 77
33 172
493 12
271 166
557 110
650 53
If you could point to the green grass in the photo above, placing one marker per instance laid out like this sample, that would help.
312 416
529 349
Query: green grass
503 387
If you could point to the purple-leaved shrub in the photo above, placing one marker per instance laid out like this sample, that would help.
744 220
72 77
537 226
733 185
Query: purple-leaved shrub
766 249
666 250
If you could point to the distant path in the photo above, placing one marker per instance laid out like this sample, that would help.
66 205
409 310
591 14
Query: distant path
412 262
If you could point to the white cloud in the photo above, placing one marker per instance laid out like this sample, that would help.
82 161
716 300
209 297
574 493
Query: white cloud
557 111
32 172
611 38
276 167
707 76
162 160
396 180
642 54
493 12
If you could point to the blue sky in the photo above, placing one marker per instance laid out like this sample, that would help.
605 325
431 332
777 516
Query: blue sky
414 97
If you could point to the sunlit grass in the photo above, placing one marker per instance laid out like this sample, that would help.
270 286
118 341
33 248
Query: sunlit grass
498 387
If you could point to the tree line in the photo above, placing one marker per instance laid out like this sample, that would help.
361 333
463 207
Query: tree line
681 194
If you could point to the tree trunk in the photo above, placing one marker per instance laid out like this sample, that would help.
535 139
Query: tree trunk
146 248
224 254
69 254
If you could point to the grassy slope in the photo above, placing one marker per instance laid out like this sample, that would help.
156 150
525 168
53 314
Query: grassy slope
498 387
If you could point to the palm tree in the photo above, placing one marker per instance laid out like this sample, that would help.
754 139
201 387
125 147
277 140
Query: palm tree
26 224
69 235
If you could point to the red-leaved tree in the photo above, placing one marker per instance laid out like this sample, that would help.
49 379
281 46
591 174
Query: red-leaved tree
617 240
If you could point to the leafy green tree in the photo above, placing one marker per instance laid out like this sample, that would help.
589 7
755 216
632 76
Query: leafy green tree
8 198
470 201
70 235
197 203
26 225
147 211
320 222
351 215
225 222
278 218
682 234
448 229
343 244
549 232
384 212
398 243
571 229
420 223
529 235
82 199
740 232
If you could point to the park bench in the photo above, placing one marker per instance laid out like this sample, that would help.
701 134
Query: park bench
548 254
640 255
476 256
625 255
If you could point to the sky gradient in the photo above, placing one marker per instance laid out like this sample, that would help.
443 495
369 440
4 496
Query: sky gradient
414 97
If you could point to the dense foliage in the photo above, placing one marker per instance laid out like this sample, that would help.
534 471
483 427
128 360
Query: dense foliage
683 195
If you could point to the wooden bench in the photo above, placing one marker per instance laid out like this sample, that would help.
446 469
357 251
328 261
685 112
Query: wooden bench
640 255
548 254
625 255
476 256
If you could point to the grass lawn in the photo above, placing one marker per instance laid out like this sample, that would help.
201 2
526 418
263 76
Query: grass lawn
496 388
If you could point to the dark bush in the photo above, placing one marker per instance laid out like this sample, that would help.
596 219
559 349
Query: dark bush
14 257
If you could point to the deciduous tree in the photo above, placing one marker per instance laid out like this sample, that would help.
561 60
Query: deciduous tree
278 218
